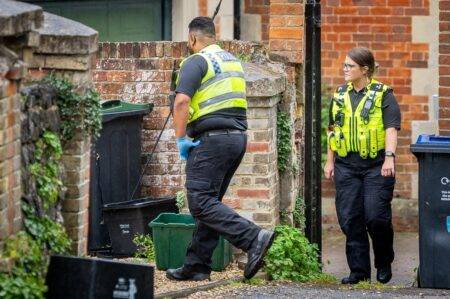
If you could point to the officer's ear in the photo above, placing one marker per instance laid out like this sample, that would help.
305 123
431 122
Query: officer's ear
366 69
192 39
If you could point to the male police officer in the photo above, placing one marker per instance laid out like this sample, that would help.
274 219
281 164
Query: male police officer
210 106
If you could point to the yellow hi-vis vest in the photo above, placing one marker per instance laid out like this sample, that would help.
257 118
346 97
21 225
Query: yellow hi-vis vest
223 85
361 130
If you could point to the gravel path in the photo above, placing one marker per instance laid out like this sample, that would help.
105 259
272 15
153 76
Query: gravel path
294 290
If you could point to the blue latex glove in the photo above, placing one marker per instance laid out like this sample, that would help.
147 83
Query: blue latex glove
184 145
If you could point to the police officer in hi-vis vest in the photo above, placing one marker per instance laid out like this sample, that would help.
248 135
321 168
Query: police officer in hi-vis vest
362 139
210 107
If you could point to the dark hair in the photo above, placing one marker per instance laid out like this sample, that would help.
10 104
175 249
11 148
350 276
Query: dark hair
204 25
363 57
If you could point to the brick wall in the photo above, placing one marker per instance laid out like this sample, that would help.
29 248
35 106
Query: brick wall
286 29
262 8
70 55
17 22
141 72
444 67
10 188
384 26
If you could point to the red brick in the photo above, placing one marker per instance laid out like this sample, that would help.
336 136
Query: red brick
253 147
286 9
285 33
399 2
444 5
234 203
444 91
253 193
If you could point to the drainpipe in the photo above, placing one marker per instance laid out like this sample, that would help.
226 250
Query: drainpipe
237 19
313 168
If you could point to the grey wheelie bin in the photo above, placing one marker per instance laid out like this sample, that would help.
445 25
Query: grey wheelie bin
433 154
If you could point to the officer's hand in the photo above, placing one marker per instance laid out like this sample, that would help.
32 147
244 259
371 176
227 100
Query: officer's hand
388 168
184 145
328 170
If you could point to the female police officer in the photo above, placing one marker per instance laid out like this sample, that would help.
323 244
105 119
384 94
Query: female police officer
362 139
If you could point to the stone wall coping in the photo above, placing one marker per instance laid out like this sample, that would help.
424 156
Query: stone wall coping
17 17
64 36
263 81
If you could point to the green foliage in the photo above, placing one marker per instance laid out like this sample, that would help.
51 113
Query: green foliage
284 216
29 252
367 285
46 168
243 57
79 112
21 287
26 279
48 233
292 257
255 281
180 200
284 129
299 213
145 247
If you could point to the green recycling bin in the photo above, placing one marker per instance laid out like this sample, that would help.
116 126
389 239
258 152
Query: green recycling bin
172 234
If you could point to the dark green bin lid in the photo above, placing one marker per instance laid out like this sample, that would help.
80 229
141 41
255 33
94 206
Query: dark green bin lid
112 109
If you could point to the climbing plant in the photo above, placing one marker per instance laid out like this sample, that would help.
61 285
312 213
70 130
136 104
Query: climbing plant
79 111
46 170
284 146
299 212
30 249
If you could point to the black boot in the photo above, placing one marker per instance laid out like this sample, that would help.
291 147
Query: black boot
354 279
384 274
255 256
184 274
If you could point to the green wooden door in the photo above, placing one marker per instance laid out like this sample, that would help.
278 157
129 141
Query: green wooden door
118 20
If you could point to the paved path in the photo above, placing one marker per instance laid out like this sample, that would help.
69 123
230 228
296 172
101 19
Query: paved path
406 249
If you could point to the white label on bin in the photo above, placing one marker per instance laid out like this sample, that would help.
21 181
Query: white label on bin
125 228
445 194
123 290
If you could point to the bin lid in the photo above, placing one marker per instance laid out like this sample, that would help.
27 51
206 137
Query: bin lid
138 203
112 109
173 220
431 144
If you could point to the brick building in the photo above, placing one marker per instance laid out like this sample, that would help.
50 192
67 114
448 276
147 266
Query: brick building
410 38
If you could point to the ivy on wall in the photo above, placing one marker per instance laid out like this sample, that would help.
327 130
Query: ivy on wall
284 145
80 112
30 249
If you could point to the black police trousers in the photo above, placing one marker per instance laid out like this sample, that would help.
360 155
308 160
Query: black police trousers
363 205
209 169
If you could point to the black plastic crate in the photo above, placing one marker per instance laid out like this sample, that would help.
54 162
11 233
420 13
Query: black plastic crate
87 278
127 219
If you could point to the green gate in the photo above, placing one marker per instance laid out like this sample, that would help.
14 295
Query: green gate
118 20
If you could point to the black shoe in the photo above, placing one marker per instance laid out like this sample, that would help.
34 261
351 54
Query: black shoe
255 256
384 274
353 279
183 274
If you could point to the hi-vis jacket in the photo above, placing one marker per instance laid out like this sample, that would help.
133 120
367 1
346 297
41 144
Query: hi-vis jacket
223 85
361 130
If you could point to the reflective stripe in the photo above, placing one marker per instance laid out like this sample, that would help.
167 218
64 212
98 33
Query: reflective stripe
219 77
223 97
